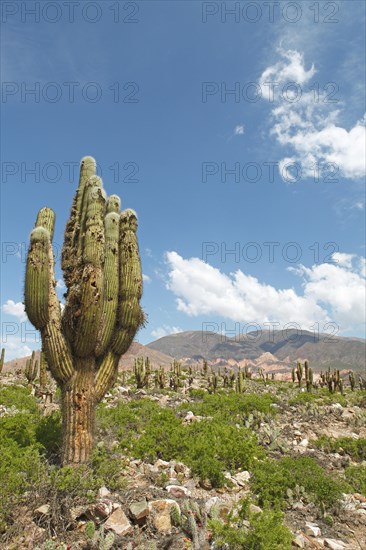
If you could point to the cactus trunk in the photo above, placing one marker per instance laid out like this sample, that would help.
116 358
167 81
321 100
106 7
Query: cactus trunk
78 414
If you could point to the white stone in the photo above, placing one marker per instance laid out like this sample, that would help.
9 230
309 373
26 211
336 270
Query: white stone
103 492
242 478
312 529
334 544
304 443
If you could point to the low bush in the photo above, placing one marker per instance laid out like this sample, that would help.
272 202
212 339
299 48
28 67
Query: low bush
356 477
272 479
355 448
265 531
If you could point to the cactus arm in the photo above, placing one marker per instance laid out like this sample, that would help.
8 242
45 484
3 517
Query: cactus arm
129 314
72 231
106 374
89 308
56 348
37 275
41 303
111 282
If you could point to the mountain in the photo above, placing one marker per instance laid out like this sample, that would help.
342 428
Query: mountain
157 358
285 347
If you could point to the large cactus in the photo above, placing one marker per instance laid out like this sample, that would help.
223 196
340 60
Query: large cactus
102 272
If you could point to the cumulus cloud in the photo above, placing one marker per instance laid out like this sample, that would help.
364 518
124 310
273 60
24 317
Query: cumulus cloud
164 330
339 287
16 309
15 348
146 278
306 122
330 293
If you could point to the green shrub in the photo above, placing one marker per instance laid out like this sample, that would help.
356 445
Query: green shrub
18 397
21 469
107 468
356 448
231 405
272 478
356 477
265 532
209 447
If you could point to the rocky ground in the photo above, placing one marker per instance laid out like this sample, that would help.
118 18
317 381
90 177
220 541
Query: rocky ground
163 505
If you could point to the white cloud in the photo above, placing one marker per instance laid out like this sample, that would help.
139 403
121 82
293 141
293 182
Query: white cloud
340 288
239 130
342 259
306 122
330 293
164 330
289 69
15 348
60 284
16 309
146 278
203 290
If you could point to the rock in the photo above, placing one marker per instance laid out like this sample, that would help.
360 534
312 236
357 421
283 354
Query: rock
213 501
304 442
205 484
139 510
77 511
43 510
336 407
312 529
299 541
160 511
118 523
254 509
122 390
177 491
103 492
161 464
242 478
181 468
334 544
297 433
100 511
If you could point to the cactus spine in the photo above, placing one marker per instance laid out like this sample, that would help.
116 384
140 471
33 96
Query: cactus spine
102 272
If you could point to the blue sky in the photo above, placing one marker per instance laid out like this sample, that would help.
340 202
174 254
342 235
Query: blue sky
152 103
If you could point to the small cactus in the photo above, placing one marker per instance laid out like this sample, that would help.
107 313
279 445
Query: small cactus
142 372
31 368
43 376
352 380
2 359
299 373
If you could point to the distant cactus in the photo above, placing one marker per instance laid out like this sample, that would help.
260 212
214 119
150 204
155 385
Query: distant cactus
352 380
2 359
31 368
102 272
239 385
43 376
142 372
299 373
